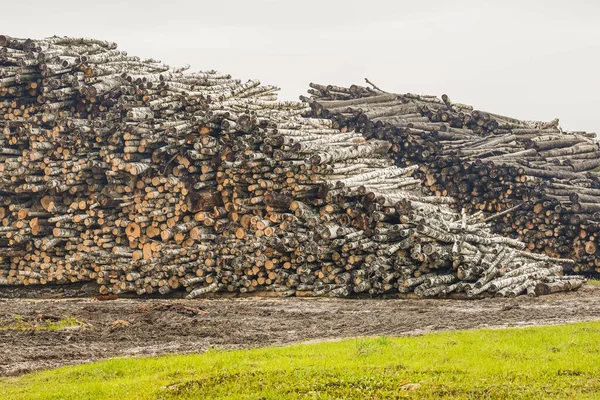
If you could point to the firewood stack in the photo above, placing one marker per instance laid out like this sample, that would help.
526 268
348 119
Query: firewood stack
150 179
540 179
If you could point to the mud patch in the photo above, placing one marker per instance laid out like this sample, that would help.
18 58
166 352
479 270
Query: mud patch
132 327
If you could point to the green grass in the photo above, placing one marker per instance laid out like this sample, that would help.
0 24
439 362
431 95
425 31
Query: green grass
539 363
594 281
18 324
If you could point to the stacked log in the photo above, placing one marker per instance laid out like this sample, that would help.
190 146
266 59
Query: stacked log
150 179
537 182
402 240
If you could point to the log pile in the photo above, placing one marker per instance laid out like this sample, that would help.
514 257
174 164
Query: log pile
150 179
536 182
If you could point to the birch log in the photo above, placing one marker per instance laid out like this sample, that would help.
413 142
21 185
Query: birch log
150 179
534 181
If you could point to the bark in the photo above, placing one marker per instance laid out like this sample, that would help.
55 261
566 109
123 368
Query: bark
509 169
197 182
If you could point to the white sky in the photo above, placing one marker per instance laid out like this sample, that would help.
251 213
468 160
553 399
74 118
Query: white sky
527 59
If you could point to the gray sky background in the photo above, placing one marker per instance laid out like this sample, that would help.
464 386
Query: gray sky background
527 59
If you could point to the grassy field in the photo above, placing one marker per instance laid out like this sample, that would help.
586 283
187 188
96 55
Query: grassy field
542 362
18 324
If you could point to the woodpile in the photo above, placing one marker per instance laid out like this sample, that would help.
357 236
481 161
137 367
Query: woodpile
150 179
536 182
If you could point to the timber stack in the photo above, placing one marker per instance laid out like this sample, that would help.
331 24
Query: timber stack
536 182
150 179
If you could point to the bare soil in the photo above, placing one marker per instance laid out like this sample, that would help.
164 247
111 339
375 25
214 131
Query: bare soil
133 327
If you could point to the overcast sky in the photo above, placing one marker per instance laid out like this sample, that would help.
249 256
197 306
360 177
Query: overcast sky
527 59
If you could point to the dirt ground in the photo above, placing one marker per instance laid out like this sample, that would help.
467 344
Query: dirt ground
128 327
